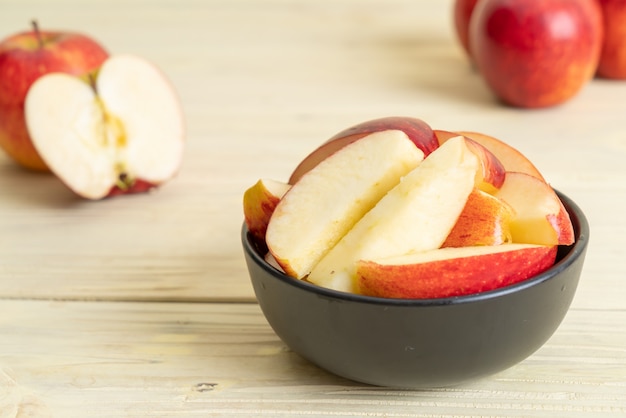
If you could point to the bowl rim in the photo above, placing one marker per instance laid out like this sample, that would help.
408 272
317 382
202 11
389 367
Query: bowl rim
581 229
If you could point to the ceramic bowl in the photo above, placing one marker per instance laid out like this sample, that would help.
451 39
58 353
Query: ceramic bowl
419 343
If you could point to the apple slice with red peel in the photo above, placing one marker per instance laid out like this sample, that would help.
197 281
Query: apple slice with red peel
416 215
330 198
122 134
416 129
449 272
485 220
259 202
491 177
511 158
540 217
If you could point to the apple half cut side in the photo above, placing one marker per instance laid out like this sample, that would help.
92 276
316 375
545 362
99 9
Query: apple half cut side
124 133
330 198
540 217
448 272
416 215
485 220
259 202
416 129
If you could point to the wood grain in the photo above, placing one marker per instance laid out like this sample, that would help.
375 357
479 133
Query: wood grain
74 358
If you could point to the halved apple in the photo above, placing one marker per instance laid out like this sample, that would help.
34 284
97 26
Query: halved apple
540 217
510 157
448 272
259 202
330 198
485 220
123 133
416 129
416 215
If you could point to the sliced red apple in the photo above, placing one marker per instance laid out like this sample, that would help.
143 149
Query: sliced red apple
417 215
491 177
330 198
124 133
540 217
484 220
449 272
416 129
510 157
259 202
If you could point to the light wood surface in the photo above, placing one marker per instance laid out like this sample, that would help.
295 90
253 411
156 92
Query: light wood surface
141 306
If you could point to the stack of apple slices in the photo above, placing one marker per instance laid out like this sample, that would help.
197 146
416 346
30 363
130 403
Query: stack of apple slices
386 215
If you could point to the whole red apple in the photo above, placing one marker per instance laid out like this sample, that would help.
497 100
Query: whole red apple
613 58
536 53
462 12
24 57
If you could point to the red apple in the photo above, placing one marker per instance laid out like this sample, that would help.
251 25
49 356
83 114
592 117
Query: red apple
123 132
536 53
462 12
24 57
448 272
613 58
416 129
485 220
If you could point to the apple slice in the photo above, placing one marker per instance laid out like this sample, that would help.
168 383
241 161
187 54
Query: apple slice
330 198
510 157
448 272
491 177
416 129
540 217
123 134
417 215
484 221
259 202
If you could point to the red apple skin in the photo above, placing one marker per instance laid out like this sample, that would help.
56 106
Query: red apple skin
536 53
462 12
416 129
613 59
22 61
484 221
137 186
453 277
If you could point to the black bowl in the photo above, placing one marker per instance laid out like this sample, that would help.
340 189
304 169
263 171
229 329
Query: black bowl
412 343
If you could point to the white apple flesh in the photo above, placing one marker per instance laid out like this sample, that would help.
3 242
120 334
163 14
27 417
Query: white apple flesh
417 215
124 133
330 198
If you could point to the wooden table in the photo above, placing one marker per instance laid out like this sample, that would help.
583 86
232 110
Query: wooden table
141 305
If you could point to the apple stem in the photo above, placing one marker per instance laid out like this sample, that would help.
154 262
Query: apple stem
37 33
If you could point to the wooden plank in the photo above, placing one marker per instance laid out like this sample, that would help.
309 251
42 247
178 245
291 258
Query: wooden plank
178 359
